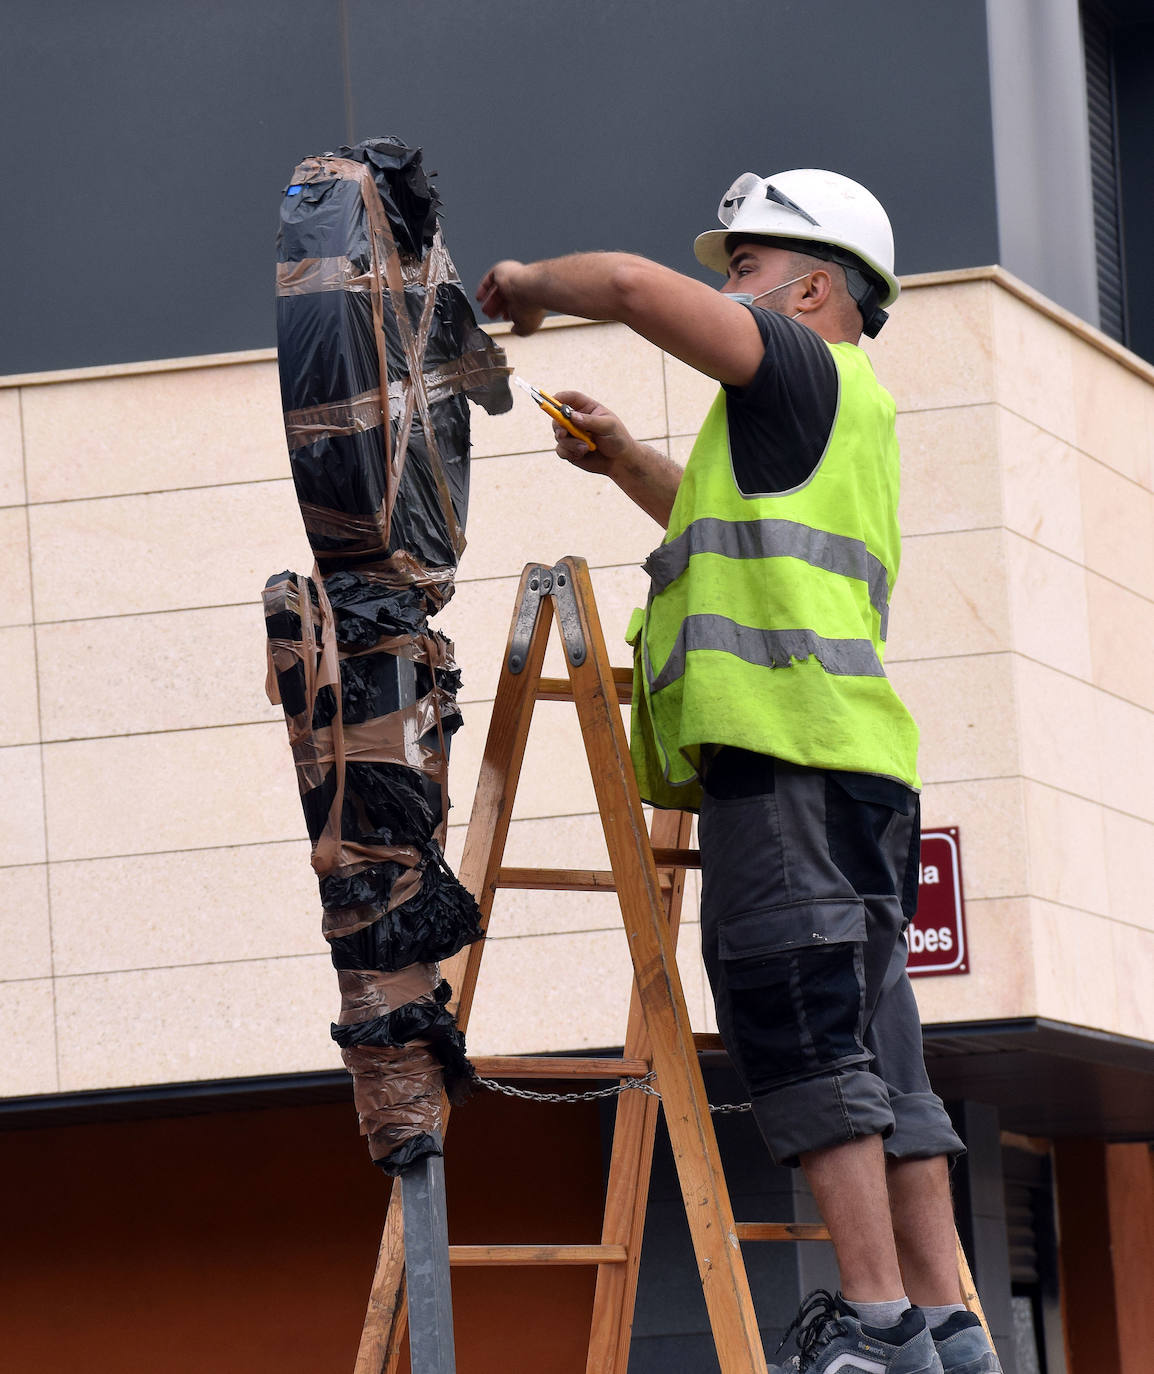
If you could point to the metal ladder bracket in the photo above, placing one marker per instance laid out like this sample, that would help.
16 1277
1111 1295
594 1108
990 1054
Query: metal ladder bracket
568 616
539 586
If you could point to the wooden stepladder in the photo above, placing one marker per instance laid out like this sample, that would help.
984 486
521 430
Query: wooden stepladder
658 1035
647 873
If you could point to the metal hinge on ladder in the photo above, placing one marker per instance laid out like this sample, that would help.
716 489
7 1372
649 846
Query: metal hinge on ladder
543 582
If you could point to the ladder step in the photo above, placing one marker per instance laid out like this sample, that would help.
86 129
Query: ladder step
590 879
781 1230
527 1255
677 858
545 1066
561 689
558 879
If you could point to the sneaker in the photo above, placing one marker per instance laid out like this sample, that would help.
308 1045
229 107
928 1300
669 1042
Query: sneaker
963 1347
831 1336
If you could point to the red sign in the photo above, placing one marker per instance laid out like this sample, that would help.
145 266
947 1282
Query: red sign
937 934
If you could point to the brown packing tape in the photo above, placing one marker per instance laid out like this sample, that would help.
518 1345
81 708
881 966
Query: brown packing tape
282 653
434 650
311 769
361 413
408 884
472 371
397 1093
394 738
359 534
357 415
339 921
382 1143
379 1069
353 856
327 849
310 275
401 569
324 168
369 198
369 993
435 267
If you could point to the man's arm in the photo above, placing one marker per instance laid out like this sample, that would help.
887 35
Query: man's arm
684 317
645 474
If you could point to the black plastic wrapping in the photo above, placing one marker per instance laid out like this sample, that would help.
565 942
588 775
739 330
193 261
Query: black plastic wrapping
378 347
440 919
378 351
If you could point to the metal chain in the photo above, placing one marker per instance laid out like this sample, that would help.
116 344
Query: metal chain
641 1085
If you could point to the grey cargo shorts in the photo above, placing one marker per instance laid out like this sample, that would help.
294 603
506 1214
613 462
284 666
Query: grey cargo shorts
809 879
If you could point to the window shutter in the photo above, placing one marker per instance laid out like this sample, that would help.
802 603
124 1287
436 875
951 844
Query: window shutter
1097 42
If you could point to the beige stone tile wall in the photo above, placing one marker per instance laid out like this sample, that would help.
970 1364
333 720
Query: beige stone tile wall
1041 750
158 917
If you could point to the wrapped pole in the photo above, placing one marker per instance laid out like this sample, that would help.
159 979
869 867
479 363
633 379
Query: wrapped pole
378 350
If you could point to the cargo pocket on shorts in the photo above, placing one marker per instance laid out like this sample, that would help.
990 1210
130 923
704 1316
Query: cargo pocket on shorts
795 985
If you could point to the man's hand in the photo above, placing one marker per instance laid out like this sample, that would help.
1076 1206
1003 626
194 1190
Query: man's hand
499 297
645 474
613 440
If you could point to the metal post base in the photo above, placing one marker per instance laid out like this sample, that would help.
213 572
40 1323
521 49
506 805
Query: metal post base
427 1267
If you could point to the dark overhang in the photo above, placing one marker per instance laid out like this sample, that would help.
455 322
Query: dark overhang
175 1099
1045 1077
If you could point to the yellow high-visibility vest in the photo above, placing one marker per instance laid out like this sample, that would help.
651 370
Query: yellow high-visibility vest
766 621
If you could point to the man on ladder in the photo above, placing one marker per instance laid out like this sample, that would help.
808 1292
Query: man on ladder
761 702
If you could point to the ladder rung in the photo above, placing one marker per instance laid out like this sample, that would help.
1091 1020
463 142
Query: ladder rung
781 1230
536 1254
677 858
591 879
558 879
545 1066
561 689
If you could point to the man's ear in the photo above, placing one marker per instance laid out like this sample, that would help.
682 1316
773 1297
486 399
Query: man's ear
817 290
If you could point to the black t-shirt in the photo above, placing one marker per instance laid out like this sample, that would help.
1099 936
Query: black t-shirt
780 423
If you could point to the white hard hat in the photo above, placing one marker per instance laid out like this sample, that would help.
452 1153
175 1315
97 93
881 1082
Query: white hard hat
818 207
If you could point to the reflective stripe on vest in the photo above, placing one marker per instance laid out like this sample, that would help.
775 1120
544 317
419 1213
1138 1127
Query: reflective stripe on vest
836 553
764 649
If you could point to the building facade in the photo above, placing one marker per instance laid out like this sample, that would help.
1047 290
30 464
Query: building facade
164 989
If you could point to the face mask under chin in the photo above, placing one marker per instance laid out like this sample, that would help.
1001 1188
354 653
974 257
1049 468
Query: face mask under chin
748 298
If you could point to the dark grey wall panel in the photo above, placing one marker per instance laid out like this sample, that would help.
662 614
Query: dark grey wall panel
158 138
147 147
619 125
